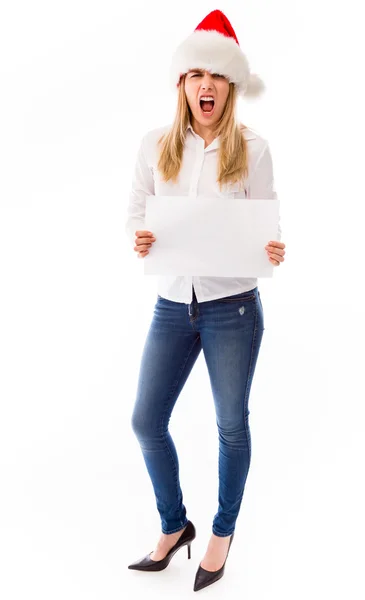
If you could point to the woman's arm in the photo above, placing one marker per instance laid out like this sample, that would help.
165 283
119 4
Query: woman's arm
142 185
261 182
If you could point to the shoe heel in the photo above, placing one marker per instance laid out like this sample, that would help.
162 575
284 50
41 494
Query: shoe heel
148 564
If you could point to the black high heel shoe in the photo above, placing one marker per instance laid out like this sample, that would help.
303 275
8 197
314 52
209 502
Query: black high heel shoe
203 578
148 564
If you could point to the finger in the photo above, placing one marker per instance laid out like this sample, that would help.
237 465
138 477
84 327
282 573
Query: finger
273 261
144 233
142 247
273 250
276 256
276 244
145 240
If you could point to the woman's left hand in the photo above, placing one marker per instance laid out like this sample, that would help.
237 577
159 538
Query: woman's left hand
275 251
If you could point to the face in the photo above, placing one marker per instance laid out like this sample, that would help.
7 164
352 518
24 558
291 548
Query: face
202 83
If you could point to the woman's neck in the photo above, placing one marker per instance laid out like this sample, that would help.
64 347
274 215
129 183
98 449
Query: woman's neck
204 132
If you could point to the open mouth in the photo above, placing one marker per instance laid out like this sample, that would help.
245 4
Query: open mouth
207 106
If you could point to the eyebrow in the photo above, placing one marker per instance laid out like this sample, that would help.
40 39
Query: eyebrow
196 71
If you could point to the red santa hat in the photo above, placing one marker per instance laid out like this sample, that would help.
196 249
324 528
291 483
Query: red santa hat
214 47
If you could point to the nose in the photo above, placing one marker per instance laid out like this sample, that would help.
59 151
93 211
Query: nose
207 80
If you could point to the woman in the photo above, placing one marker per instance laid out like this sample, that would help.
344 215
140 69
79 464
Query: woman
204 153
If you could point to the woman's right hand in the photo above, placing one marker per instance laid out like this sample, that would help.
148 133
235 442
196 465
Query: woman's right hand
144 240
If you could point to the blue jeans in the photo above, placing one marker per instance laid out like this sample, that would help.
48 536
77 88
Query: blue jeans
230 331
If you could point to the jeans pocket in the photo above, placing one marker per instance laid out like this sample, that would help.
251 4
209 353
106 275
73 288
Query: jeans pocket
242 297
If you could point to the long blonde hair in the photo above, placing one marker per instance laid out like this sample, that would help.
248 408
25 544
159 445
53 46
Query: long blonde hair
232 157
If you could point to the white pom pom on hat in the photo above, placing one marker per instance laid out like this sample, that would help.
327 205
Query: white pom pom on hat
214 47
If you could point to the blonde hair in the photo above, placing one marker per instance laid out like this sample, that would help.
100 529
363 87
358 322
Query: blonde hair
232 157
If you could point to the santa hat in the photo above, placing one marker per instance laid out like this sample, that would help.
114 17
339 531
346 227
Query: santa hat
214 47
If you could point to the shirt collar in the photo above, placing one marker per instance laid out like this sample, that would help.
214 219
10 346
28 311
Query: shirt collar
249 135
212 146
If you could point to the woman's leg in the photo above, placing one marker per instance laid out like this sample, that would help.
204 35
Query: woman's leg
231 331
171 349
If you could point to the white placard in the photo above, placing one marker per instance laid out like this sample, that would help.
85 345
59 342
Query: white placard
223 237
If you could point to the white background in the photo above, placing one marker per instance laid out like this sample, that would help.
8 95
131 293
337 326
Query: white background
81 82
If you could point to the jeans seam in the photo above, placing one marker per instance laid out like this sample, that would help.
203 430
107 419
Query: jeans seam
221 534
245 406
164 415
176 530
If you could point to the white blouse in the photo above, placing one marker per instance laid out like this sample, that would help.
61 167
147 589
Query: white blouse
197 178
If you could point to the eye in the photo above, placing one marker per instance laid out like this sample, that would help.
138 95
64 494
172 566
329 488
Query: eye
214 75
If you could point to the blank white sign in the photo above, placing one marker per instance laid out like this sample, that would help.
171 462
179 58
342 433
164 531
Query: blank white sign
223 237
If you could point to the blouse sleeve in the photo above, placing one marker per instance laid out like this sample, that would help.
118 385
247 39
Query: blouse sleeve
261 183
142 186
